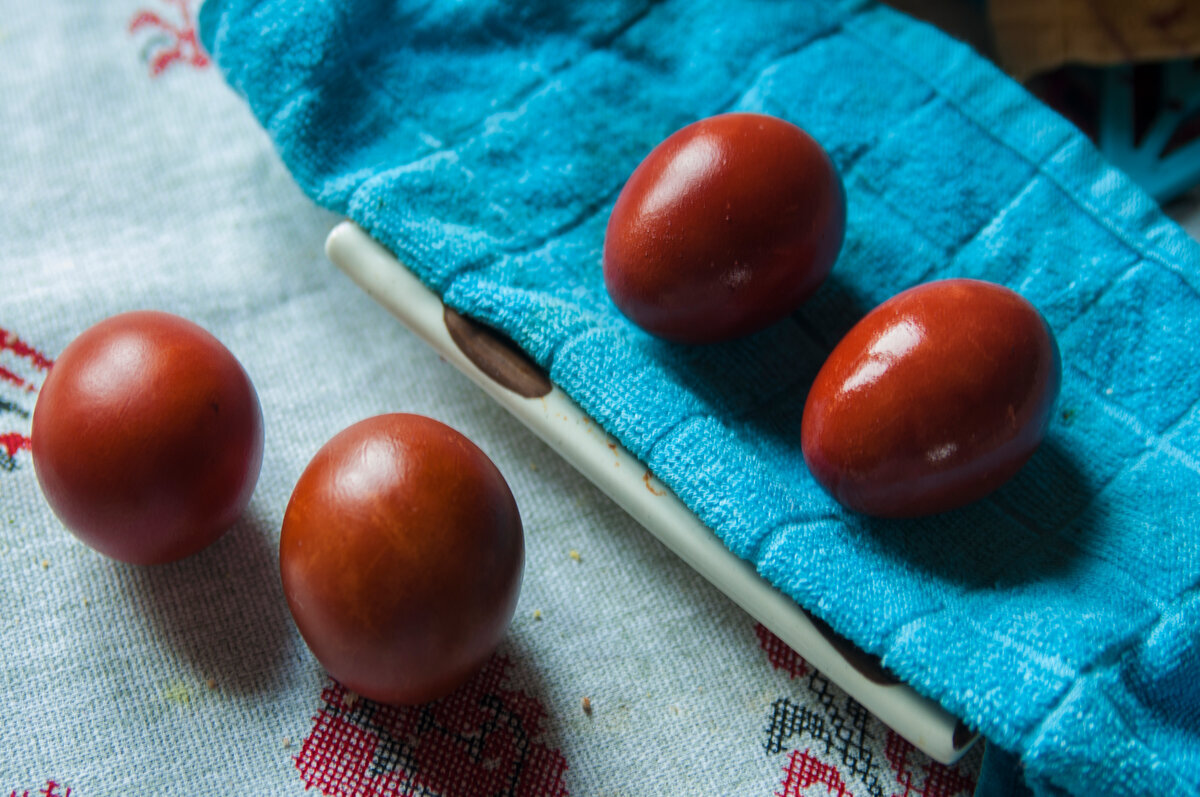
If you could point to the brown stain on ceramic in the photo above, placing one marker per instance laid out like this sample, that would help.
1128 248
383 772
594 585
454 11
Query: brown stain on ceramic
646 480
497 356
870 667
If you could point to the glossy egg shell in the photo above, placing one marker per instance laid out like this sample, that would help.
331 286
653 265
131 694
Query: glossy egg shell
401 557
725 228
933 400
147 437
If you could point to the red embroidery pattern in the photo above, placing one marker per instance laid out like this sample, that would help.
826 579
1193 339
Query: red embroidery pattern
10 342
171 43
22 369
11 443
803 770
780 655
50 790
480 740
921 776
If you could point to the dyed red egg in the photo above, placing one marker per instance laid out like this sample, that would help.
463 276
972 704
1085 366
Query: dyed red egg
401 558
933 400
725 228
147 437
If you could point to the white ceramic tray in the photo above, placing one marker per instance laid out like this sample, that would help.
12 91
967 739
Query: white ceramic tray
509 377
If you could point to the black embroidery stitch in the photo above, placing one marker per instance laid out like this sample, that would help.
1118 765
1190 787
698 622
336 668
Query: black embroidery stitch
841 726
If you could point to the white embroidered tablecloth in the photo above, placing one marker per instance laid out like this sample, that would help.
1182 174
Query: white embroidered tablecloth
132 177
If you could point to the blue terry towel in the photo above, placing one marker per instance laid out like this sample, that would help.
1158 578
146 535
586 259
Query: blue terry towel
485 142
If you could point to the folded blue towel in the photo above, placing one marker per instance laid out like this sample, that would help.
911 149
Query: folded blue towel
485 142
